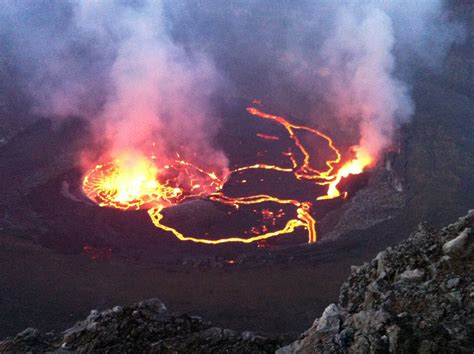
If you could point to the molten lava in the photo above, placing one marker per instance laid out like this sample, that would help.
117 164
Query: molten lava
138 182
353 167
135 182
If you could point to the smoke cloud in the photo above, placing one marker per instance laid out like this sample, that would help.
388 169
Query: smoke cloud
159 92
147 71
115 64
358 66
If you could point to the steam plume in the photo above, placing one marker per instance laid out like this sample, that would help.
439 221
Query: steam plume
115 64
142 69
363 61
159 92
359 68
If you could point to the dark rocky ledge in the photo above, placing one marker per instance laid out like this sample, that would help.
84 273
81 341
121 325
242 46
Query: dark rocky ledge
146 327
417 297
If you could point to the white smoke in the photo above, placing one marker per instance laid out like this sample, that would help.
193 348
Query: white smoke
141 92
358 66
159 93
364 57
145 71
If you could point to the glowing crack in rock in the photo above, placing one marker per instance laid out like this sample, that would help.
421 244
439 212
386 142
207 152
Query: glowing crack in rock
134 181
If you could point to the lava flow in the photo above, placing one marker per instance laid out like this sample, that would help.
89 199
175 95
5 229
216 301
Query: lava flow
139 182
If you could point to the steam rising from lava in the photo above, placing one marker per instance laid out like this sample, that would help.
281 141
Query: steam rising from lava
115 63
158 91
141 69
362 88
363 63
145 74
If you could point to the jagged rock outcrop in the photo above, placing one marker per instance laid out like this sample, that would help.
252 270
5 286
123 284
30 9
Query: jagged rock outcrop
415 297
146 327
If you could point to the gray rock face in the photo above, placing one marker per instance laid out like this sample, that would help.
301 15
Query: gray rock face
417 297
146 327
329 321
461 245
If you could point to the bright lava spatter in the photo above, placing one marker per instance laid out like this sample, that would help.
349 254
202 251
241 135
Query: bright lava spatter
134 182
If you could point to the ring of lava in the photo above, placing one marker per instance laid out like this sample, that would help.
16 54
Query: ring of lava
135 184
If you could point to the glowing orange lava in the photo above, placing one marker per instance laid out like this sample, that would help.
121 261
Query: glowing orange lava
353 167
136 182
133 181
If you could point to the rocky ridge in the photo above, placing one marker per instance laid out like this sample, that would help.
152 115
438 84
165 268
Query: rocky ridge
145 327
415 297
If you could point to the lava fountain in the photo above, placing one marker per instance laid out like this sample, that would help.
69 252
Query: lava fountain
134 181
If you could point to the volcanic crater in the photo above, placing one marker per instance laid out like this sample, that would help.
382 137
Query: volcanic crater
62 255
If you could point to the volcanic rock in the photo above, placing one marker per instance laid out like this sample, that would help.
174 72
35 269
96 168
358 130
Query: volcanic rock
461 245
417 297
145 327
